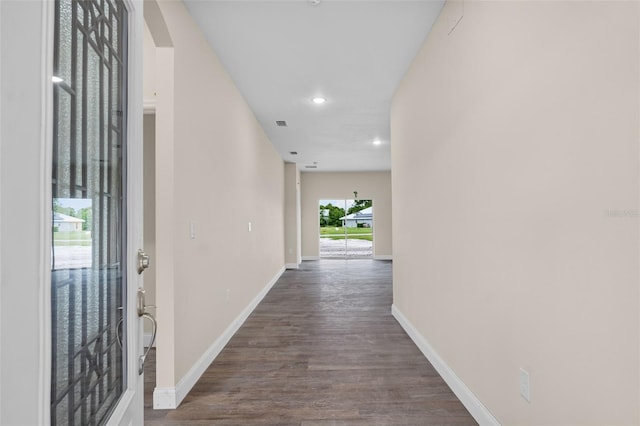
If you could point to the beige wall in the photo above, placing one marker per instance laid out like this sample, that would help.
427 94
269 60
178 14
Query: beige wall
514 138
149 195
374 186
292 219
219 172
148 67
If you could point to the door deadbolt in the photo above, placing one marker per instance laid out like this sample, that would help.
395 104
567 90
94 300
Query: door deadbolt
143 261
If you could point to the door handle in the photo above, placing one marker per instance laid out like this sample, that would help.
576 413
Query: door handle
142 313
119 327
143 261
143 357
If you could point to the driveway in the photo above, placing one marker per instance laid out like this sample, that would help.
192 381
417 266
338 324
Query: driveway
354 248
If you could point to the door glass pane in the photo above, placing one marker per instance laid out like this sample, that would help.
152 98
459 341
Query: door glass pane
87 255
359 228
332 236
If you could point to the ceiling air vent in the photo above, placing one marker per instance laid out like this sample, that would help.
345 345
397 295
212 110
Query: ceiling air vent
293 152
281 123
310 167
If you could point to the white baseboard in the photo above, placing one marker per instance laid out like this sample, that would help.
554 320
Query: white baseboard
383 257
479 412
164 398
170 398
292 266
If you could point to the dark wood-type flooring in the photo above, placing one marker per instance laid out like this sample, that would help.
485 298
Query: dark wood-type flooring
321 349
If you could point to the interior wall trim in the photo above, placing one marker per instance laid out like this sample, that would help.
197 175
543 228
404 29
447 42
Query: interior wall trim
310 257
471 402
171 397
46 165
292 266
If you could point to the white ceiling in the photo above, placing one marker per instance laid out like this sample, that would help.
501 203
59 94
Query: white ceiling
281 54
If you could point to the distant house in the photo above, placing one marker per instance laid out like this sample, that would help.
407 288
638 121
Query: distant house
362 219
65 223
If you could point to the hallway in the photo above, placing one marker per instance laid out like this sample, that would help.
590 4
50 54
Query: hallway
321 349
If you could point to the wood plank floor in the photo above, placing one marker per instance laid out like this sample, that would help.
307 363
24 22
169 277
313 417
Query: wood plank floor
321 349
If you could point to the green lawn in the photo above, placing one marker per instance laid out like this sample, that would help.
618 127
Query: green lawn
330 230
72 238
351 237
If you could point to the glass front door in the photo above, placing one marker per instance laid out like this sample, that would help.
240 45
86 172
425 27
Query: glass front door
346 228
88 254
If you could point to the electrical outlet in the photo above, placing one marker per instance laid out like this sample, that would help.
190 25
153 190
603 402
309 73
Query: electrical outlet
249 226
192 230
525 385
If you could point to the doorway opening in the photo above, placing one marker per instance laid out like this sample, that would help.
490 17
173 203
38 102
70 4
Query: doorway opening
346 228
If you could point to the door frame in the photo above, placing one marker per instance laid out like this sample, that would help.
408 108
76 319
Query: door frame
133 396
48 17
26 57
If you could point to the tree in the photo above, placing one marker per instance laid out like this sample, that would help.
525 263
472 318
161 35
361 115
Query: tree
324 219
335 215
86 214
359 205
58 208
331 215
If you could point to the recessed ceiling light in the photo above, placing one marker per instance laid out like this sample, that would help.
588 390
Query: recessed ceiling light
377 142
319 101
56 79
